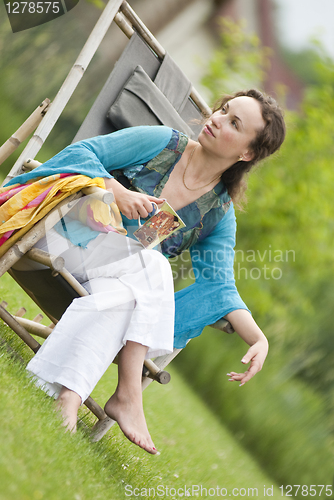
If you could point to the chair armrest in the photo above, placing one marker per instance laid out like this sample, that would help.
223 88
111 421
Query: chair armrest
103 195
224 325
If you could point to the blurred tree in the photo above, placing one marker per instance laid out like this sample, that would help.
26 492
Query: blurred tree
305 62
240 60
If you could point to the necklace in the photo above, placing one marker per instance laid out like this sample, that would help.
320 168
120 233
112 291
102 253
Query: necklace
184 174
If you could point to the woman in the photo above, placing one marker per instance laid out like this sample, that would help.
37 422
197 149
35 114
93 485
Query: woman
199 180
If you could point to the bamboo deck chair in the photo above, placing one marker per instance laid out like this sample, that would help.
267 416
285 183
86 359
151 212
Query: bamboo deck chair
145 77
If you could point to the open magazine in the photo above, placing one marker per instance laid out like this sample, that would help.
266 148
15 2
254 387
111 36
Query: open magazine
159 226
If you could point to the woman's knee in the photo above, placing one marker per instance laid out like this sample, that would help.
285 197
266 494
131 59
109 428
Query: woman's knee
154 258
157 266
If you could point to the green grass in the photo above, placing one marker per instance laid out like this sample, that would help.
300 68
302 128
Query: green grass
38 460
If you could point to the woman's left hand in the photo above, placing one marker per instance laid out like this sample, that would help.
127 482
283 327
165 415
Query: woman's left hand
256 355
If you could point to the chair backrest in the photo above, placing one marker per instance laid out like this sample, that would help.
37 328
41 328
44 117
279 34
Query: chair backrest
168 84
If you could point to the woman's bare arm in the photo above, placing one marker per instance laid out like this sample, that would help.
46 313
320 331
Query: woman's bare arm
244 324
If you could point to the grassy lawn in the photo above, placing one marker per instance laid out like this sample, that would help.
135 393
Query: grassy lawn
40 461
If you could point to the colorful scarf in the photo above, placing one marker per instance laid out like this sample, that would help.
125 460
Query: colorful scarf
21 206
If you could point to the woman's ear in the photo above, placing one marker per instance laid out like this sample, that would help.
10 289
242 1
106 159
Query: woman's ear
247 156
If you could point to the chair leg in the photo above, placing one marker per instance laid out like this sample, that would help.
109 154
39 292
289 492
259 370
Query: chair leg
101 428
95 408
153 371
104 422
19 329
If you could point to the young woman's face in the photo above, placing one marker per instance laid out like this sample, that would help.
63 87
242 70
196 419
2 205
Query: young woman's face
229 131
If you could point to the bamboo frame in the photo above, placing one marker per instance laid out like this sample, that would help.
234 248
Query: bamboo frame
155 372
39 318
223 325
103 195
53 262
21 312
24 131
95 409
143 31
33 327
30 164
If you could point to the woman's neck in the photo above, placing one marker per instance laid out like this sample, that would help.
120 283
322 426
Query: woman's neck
203 167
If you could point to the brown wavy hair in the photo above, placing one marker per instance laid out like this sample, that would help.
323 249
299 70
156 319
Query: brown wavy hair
267 141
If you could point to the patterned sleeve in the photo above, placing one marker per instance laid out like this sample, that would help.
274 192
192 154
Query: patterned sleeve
96 157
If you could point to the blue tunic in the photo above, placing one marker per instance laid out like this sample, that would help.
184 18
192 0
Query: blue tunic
214 294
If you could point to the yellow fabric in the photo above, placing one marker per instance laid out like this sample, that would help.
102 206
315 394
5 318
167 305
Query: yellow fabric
13 215
108 215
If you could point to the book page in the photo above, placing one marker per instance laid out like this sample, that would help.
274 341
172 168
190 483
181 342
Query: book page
158 227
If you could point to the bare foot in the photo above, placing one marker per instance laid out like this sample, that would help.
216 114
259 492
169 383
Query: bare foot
130 417
68 403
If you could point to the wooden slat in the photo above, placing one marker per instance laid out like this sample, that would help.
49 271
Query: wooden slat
21 312
74 283
143 31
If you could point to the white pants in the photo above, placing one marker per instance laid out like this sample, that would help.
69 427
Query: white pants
131 299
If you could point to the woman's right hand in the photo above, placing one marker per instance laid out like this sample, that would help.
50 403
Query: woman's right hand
131 203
